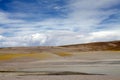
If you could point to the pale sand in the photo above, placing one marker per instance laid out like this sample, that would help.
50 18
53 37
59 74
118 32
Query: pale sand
102 60
59 77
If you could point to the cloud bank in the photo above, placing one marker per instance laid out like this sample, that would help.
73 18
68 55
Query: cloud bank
56 22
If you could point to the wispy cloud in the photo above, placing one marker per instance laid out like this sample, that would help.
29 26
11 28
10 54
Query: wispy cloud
4 19
30 23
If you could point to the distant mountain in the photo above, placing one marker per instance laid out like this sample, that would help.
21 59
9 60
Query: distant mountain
95 46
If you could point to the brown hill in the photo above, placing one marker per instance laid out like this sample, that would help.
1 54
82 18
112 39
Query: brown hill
95 46
15 56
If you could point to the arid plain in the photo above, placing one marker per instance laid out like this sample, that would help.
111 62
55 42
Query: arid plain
98 61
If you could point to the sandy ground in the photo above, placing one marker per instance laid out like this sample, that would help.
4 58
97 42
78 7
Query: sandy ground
59 77
106 63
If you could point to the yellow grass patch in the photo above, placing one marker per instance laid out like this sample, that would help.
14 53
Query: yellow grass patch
63 54
21 55
10 56
39 55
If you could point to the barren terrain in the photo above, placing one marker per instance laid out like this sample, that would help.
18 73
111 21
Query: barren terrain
98 61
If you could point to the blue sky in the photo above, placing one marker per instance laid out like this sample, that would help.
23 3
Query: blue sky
58 22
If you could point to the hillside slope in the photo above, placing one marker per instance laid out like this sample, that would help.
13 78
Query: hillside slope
95 46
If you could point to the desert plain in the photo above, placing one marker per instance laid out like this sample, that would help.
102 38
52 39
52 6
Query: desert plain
94 61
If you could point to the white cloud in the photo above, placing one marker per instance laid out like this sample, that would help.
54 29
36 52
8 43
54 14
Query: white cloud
59 38
104 35
1 37
89 37
92 4
4 19
81 25
26 40
39 38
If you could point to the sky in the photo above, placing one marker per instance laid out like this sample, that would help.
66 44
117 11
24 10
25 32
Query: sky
58 22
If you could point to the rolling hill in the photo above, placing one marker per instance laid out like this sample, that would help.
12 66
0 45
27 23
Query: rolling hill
55 52
96 46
